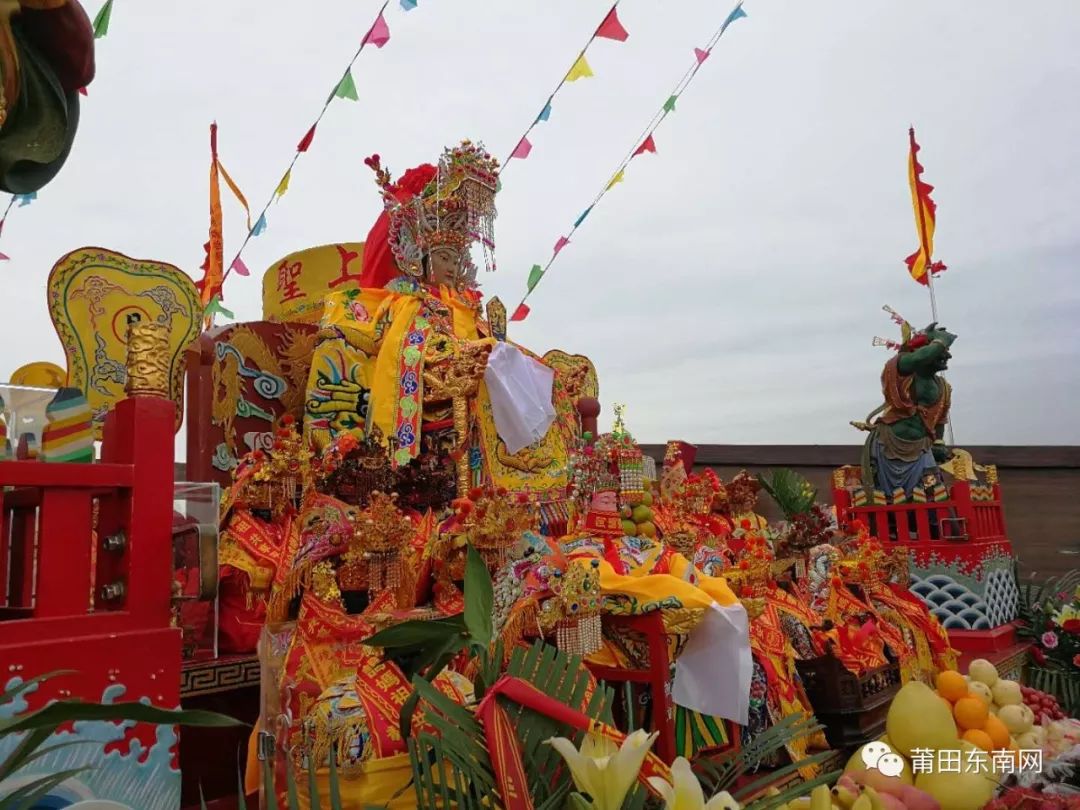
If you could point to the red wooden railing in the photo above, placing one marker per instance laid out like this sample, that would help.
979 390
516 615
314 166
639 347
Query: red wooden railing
86 561
960 518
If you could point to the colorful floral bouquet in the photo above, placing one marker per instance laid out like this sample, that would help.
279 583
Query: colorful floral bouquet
1050 615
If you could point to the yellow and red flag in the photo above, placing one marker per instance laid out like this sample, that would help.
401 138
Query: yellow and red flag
210 284
921 264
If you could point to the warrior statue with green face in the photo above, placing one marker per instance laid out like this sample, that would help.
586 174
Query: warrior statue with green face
906 442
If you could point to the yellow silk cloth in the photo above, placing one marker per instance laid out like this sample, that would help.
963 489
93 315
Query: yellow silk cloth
378 328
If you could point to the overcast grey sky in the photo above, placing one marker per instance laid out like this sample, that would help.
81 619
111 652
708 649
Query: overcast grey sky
729 288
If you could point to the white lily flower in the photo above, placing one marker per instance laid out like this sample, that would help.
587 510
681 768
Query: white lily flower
684 791
601 769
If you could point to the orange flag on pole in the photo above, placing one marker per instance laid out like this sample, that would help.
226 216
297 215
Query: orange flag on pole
921 263
212 277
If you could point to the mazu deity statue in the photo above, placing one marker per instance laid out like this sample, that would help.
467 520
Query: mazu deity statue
409 353
906 445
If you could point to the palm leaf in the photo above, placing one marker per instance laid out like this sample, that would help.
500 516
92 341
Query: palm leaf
480 604
794 791
8 695
792 492
70 711
29 795
26 751
723 774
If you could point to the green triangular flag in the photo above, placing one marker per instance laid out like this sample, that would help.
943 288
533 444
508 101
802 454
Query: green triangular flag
215 307
347 87
101 21
535 275
669 105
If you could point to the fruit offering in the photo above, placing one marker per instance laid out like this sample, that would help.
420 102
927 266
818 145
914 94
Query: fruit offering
1041 703
637 520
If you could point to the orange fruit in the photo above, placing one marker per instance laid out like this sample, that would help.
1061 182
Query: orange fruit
997 731
970 713
979 739
951 685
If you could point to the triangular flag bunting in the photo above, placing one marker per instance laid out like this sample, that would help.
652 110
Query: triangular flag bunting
647 145
26 199
240 268
379 34
618 178
408 5
545 113
563 242
535 275
581 218
83 91
305 142
521 313
346 88
669 105
260 226
521 151
611 28
736 14
700 55
283 186
215 307
101 21
580 70
5 258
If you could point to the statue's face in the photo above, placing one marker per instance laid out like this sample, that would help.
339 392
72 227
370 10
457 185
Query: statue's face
444 264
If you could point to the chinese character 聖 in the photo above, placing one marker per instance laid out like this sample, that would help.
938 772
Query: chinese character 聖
922 760
286 282
948 761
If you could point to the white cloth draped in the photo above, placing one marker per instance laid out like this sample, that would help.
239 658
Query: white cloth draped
520 391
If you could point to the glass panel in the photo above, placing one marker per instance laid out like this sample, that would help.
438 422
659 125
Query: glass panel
195 567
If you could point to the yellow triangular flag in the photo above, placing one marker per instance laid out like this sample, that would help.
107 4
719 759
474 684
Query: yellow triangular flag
580 70
283 186
618 178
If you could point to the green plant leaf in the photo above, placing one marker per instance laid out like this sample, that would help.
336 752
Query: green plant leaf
71 711
417 633
241 801
479 599
25 752
8 695
335 788
270 795
313 783
31 794
579 802
290 787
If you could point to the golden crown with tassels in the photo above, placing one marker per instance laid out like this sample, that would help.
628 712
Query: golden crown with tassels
449 206
492 520
751 578
374 559
574 610
273 478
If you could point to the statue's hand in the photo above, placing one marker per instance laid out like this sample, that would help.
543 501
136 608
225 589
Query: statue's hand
941 453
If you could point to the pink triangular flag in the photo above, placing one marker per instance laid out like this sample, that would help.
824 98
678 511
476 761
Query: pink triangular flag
701 55
647 145
521 313
611 28
305 142
379 34
521 151
4 257
240 268
563 242
82 91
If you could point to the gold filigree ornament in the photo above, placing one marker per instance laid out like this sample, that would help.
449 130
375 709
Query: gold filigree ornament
575 608
493 520
282 473
147 360
383 531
